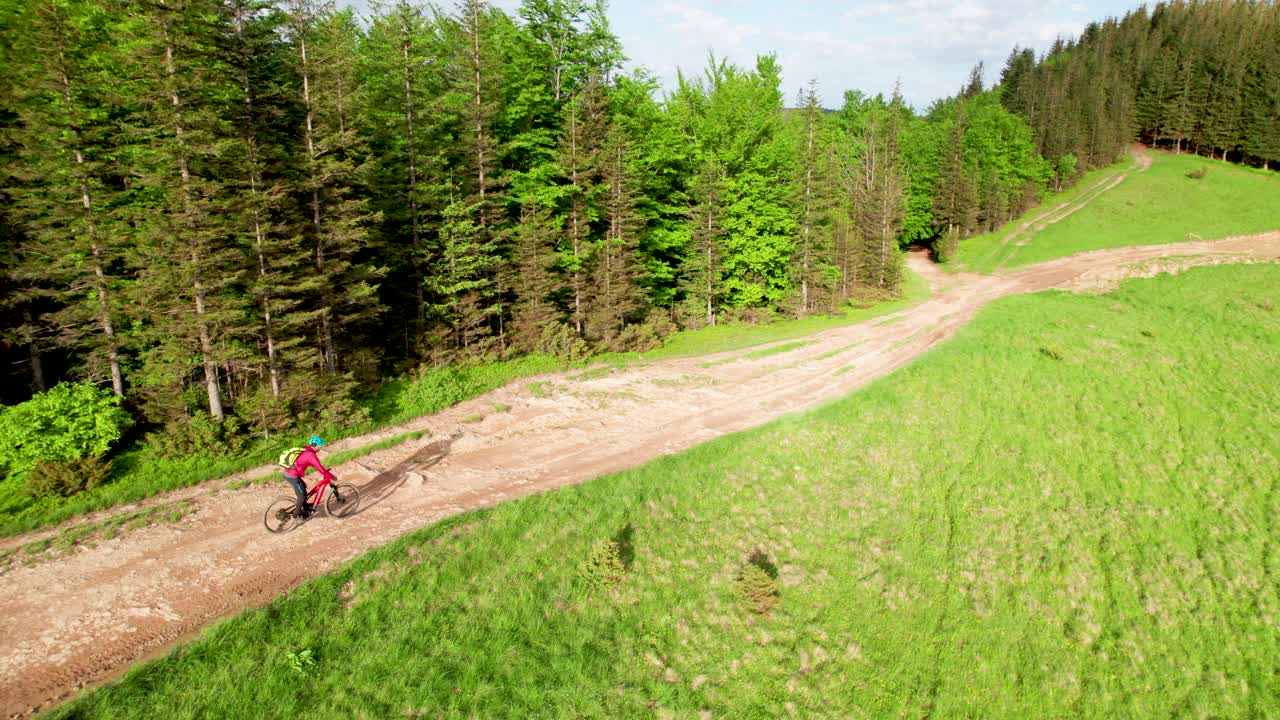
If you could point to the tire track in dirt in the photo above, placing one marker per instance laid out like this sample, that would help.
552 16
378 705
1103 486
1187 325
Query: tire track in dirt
1142 161
82 618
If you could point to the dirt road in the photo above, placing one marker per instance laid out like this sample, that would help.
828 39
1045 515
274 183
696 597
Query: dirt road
83 617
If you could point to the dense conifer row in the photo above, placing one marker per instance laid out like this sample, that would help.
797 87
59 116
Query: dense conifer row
1193 76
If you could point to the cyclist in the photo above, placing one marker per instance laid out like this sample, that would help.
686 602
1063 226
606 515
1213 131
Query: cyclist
294 473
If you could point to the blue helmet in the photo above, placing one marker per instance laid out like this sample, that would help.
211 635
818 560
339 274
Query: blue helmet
316 441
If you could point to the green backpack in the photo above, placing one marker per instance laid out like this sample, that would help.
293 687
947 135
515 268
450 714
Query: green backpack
289 457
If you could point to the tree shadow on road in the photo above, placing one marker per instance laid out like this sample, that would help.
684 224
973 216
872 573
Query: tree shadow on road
387 482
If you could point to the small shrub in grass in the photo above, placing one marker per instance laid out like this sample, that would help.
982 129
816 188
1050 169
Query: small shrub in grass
645 336
62 478
300 662
757 584
1198 174
603 569
560 341
198 436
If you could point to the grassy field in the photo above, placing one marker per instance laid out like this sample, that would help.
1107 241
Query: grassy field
138 477
1160 205
1069 510
723 338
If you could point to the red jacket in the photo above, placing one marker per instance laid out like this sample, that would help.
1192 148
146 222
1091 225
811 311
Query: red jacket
308 459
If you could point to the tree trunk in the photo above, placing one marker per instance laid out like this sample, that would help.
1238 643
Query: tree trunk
37 367
326 328
99 276
420 311
479 127
259 236
711 316
212 388
575 230
808 218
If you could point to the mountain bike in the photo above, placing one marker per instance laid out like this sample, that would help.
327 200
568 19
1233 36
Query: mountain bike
342 502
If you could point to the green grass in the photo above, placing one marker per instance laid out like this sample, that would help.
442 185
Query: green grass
137 477
1161 205
1069 510
776 349
69 539
739 336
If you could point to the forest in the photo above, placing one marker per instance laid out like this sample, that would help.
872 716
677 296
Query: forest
235 218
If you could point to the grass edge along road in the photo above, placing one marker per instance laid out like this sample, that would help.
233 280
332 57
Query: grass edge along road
1162 204
434 390
1089 532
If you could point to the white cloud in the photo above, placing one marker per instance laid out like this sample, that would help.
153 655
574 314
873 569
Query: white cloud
704 26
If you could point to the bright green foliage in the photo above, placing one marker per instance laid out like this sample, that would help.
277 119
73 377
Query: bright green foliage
1065 170
758 241
987 167
434 389
1036 535
1001 155
68 422
734 118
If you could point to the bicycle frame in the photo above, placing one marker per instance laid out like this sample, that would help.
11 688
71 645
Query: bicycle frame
318 492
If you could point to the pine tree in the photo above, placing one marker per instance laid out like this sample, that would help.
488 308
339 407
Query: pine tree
817 193
66 139
187 268
702 269
531 277
878 203
614 294
472 235
404 61
955 200
585 128
574 41
279 279
340 218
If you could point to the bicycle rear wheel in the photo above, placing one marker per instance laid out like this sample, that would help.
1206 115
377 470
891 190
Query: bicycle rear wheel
279 515
344 500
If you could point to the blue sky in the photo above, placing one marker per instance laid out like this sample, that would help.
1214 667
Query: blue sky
930 45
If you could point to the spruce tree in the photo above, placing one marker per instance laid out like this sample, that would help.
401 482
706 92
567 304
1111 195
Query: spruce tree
469 292
614 295
280 278
878 203
333 170
955 200
404 59
531 277
581 146
186 265
702 269
68 186
815 198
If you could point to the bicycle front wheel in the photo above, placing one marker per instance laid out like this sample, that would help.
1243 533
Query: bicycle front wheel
343 501
279 515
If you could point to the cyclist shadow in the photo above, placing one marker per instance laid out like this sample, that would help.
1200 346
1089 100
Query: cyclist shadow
386 483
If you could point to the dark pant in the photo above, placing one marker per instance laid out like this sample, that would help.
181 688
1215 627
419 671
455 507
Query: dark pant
299 488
